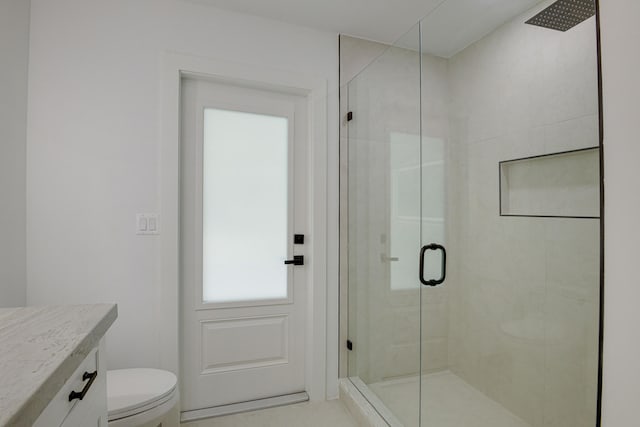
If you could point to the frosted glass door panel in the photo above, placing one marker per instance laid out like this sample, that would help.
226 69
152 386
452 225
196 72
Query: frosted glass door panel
245 206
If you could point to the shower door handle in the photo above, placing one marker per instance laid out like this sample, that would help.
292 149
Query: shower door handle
433 247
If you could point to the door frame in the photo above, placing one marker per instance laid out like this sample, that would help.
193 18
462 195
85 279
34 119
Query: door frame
175 66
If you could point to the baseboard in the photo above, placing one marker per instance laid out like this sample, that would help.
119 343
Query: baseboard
235 408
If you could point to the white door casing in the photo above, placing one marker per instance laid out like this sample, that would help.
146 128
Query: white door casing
236 351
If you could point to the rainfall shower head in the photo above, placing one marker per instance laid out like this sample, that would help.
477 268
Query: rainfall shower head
564 14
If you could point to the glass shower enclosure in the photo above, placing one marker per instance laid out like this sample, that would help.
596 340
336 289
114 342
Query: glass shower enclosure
473 180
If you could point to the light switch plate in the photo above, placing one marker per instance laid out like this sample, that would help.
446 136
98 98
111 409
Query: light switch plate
147 224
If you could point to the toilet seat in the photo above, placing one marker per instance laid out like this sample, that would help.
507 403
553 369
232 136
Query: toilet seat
139 393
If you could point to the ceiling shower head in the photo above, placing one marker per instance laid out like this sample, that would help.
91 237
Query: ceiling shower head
564 14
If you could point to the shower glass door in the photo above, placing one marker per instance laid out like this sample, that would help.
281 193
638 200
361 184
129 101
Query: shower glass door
474 219
384 211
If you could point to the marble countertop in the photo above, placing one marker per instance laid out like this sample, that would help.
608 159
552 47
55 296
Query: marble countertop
40 347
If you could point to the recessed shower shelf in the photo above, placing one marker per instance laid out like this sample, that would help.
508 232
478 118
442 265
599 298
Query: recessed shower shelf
556 185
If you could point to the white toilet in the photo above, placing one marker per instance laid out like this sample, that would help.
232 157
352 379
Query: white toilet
142 397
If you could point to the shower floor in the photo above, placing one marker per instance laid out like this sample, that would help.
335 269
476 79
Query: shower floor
448 401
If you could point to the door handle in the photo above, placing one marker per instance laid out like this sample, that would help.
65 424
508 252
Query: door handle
297 260
433 247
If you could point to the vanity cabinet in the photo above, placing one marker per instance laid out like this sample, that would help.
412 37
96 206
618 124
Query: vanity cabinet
53 365
82 400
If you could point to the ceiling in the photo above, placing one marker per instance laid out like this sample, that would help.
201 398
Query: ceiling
451 25
456 24
378 20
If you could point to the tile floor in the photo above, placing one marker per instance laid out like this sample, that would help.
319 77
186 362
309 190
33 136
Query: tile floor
316 414
448 402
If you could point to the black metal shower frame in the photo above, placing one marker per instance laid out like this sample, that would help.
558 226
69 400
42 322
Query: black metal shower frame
602 216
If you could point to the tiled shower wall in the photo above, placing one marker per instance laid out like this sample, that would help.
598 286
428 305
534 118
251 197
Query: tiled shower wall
523 324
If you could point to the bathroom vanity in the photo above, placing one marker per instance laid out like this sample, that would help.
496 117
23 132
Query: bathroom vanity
52 365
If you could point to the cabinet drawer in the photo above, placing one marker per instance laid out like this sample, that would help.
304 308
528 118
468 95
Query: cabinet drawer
60 407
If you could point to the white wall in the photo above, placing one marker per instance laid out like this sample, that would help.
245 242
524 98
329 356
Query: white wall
14 51
621 92
94 141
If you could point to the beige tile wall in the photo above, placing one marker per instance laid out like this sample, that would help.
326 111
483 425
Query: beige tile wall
523 324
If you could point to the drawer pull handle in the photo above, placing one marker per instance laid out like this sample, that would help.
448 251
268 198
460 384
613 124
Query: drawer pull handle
86 376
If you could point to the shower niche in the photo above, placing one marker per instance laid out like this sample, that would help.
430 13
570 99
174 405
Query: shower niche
442 149
560 185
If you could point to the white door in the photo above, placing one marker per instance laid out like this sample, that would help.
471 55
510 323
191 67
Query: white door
244 179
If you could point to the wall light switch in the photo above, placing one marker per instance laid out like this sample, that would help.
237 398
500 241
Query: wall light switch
147 224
